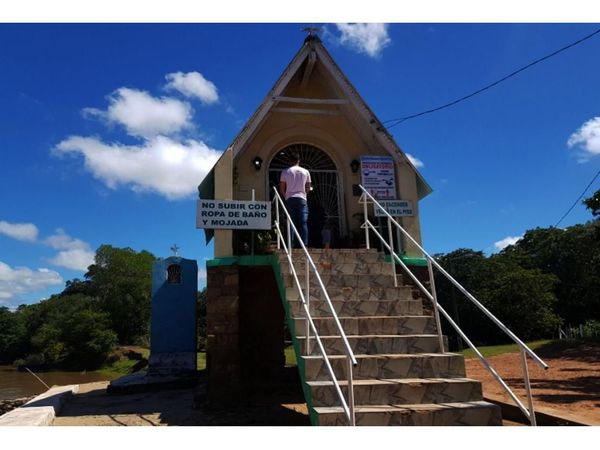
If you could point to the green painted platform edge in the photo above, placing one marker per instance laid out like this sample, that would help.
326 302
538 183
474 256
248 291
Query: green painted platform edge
242 260
314 418
409 260
265 260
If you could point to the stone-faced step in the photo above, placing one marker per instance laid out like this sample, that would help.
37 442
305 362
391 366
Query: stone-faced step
353 293
375 344
343 280
398 391
353 308
341 268
423 365
478 413
370 325
337 257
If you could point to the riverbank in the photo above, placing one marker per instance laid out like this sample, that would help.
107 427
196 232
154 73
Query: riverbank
16 385
10 404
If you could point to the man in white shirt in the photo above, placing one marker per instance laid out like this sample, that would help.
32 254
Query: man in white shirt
293 186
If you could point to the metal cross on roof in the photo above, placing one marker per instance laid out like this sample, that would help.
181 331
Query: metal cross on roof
174 249
313 31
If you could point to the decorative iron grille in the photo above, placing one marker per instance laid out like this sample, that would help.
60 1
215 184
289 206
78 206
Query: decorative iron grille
324 200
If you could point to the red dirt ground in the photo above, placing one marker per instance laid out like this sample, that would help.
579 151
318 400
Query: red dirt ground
569 388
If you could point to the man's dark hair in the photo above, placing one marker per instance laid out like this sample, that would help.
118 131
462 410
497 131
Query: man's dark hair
294 157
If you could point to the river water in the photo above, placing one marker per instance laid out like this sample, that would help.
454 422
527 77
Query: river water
15 384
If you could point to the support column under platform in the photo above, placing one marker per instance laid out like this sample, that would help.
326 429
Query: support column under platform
245 328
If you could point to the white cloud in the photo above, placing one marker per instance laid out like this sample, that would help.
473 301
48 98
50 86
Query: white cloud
415 161
20 231
201 277
144 115
171 168
62 241
509 240
369 38
587 139
193 84
23 280
74 253
76 259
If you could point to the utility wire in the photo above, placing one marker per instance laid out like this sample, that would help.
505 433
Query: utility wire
578 198
399 120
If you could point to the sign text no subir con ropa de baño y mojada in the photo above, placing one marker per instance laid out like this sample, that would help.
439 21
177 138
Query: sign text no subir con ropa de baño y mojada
233 215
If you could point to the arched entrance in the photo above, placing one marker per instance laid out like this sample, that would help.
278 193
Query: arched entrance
324 202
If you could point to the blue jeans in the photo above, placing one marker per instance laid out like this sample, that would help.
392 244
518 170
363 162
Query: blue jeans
298 210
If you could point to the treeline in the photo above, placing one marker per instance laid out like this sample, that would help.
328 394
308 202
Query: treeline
549 278
78 328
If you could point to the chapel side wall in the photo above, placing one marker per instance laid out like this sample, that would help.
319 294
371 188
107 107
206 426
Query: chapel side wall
406 180
224 191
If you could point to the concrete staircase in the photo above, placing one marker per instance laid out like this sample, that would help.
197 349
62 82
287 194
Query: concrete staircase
402 378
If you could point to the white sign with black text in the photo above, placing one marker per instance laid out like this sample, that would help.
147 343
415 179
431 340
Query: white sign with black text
395 208
233 215
378 177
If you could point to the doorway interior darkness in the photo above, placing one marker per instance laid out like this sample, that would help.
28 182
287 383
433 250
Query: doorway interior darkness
324 203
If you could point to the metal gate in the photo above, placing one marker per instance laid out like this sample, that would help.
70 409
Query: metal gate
325 200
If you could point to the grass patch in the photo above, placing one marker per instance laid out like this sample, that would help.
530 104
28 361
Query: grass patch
117 369
127 358
494 350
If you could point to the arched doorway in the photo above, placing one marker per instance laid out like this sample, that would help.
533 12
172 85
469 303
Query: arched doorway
324 202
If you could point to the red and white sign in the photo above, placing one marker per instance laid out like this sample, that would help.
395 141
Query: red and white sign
378 176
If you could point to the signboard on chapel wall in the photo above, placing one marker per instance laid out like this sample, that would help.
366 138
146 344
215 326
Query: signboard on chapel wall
233 215
395 208
378 176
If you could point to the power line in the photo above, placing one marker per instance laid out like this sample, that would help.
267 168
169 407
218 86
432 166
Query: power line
399 120
578 198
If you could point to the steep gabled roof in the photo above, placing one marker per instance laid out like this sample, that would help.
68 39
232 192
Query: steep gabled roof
314 49
313 44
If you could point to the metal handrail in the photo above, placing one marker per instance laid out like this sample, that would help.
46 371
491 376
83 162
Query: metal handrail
431 262
348 406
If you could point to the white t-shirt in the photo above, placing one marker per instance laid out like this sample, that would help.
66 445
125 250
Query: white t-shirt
295 179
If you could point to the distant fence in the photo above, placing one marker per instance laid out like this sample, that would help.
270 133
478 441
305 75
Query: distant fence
588 330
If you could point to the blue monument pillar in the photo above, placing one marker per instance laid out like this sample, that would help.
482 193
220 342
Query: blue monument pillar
173 322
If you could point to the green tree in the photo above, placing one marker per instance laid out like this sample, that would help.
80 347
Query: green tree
12 335
522 298
70 332
468 267
593 204
508 285
121 280
87 338
573 256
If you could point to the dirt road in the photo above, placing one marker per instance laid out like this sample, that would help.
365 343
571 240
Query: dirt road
571 386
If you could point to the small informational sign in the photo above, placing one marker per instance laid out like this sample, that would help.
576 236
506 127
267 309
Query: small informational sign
395 208
378 176
233 215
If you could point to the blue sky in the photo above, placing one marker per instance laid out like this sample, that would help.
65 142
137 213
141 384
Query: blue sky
106 130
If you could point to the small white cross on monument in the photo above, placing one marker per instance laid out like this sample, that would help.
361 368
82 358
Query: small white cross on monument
174 249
